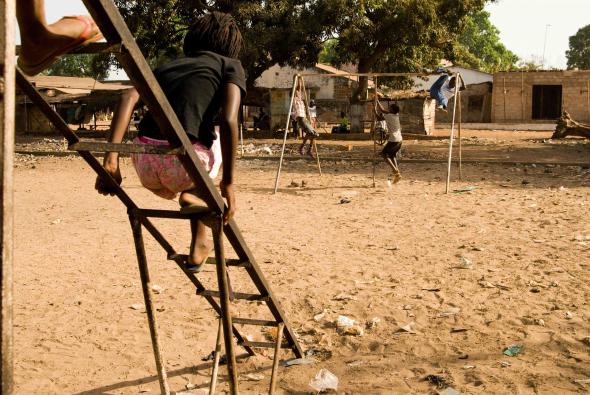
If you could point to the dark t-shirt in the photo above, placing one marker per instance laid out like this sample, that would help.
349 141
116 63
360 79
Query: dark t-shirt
192 86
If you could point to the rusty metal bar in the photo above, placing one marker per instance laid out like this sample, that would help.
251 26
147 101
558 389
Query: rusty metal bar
92 48
94 146
275 361
7 105
225 306
250 321
263 344
213 383
149 304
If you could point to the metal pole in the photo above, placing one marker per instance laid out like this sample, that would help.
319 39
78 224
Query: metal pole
149 304
242 129
315 146
295 80
451 138
460 139
213 383
7 105
373 125
275 361
225 305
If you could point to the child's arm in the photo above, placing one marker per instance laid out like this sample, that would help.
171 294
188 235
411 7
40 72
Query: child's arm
380 106
119 125
229 142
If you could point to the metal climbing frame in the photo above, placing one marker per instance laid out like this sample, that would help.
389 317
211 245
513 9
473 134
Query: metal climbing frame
456 104
121 42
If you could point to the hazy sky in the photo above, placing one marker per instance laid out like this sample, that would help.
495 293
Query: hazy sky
522 24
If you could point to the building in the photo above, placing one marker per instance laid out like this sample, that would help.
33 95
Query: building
332 94
541 96
80 101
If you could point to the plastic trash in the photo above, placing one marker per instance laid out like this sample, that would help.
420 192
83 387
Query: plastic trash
297 361
449 391
467 189
465 263
324 380
513 350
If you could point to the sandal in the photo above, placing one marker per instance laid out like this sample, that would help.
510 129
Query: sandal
88 36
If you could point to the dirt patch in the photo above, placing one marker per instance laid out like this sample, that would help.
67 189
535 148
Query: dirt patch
394 253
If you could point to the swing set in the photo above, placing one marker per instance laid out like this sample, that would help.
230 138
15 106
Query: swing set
299 79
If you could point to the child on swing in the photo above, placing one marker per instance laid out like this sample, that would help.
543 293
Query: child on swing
443 90
394 136
204 88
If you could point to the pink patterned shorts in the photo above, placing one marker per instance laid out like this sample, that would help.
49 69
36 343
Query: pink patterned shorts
164 175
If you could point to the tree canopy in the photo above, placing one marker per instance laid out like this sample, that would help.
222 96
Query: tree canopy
480 46
397 36
279 31
93 66
578 56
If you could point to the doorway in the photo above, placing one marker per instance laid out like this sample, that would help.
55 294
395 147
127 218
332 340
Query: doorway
547 101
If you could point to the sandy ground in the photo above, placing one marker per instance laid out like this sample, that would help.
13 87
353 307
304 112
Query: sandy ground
392 253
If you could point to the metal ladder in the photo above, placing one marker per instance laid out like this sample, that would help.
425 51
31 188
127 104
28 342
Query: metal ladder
121 42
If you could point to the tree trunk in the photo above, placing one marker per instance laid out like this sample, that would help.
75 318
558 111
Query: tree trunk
356 106
566 126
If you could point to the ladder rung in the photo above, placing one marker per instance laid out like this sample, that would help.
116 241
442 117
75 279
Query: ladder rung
97 146
211 261
171 214
249 321
236 295
90 49
247 343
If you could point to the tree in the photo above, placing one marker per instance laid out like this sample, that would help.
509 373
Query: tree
480 46
328 54
578 56
280 31
396 36
86 65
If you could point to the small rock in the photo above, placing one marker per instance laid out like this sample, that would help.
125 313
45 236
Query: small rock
408 328
569 315
486 284
138 306
465 263
253 377
373 323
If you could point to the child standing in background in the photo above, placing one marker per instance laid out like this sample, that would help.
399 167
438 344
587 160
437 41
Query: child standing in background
394 136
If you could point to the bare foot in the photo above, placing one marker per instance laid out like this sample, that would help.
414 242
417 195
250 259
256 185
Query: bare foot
396 178
189 198
199 251
62 36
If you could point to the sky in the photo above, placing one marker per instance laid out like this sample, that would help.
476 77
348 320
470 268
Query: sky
522 24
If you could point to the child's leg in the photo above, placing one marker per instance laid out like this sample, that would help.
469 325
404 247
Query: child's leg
311 146
200 245
302 146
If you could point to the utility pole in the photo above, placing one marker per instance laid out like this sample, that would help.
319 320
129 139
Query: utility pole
547 26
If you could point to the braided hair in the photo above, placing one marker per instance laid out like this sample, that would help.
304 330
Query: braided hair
216 32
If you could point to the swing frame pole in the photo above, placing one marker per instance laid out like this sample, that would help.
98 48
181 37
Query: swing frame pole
373 127
308 117
452 136
278 177
460 138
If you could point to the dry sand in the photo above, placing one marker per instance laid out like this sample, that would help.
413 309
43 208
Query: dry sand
391 253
